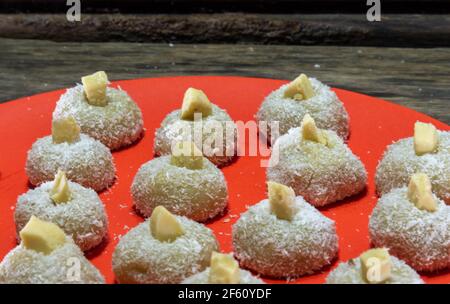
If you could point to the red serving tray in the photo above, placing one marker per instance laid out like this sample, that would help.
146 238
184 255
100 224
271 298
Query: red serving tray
374 124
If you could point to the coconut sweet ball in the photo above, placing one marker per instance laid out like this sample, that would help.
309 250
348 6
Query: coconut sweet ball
224 269
47 256
386 269
427 152
165 249
217 132
186 183
85 160
289 104
77 210
316 164
106 114
414 224
284 236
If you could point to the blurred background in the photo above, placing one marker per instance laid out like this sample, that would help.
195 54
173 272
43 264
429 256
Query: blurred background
404 58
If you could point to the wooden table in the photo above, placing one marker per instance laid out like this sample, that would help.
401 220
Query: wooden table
415 77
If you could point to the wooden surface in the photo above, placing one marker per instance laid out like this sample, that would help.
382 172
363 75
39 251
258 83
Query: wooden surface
247 6
416 78
402 30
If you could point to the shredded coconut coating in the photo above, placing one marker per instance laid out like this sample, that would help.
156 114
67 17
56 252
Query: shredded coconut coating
350 273
171 130
400 161
197 194
284 249
25 266
139 258
83 217
418 237
87 162
325 107
203 278
321 174
116 125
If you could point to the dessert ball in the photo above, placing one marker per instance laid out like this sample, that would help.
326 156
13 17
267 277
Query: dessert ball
106 114
202 122
77 210
198 192
47 256
85 160
165 249
406 156
316 164
246 277
284 237
224 269
289 104
354 272
415 225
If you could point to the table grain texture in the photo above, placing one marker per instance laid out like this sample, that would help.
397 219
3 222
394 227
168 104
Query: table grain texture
418 78
394 30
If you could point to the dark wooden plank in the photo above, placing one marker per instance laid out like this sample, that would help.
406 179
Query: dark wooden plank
211 6
416 78
328 29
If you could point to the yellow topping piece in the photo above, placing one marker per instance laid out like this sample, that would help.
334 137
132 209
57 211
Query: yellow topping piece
65 130
419 192
282 201
300 88
195 101
311 132
42 236
224 269
95 88
186 154
426 138
376 265
164 226
60 192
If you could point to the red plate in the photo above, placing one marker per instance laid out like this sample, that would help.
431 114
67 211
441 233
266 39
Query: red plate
374 124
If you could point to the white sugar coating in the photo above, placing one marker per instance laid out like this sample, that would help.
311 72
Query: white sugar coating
325 107
203 278
26 266
83 217
197 194
400 161
350 273
420 238
142 259
87 162
116 125
279 248
321 174
172 130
